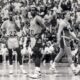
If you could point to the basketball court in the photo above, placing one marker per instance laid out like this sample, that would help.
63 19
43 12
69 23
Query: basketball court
63 72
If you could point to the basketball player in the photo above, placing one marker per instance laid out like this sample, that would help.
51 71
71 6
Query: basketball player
65 33
37 27
9 29
78 26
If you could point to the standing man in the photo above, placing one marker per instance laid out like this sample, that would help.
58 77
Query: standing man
78 30
9 29
37 27
65 33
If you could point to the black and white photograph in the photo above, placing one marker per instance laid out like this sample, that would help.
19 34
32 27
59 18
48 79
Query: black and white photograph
39 39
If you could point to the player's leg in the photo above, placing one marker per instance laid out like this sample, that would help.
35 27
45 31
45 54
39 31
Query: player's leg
68 52
57 59
53 55
19 57
37 60
10 61
78 66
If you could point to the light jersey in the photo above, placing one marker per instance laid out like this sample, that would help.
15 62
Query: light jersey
9 27
34 27
65 26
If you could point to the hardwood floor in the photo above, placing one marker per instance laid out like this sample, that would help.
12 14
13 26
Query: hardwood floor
63 72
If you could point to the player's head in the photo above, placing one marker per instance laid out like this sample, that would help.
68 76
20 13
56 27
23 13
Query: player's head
10 16
10 12
33 11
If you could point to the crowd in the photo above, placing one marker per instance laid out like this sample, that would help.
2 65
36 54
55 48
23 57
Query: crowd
50 13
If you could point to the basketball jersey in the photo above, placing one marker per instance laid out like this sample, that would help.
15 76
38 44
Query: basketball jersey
65 32
9 27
